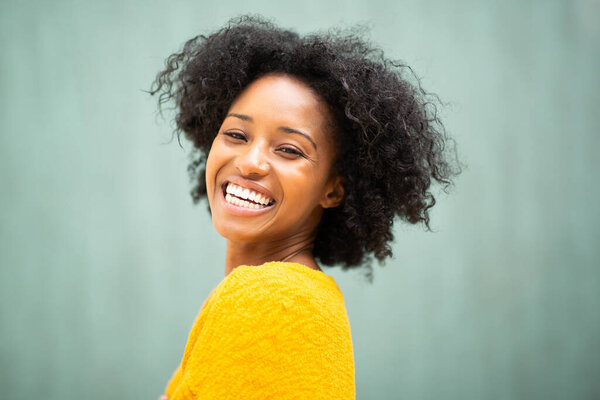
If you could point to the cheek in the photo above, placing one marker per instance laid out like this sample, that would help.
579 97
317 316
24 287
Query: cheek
303 187
209 174
213 163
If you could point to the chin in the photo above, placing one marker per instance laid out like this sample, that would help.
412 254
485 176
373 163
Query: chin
235 233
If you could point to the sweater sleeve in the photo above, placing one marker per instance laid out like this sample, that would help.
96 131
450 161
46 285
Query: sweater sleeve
269 334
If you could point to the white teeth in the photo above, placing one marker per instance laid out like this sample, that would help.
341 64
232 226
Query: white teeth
234 194
236 191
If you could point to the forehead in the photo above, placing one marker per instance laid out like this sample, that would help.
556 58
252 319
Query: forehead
284 100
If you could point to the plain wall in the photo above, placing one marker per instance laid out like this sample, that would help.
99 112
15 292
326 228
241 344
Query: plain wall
104 260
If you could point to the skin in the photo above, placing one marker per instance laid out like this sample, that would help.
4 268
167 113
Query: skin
258 144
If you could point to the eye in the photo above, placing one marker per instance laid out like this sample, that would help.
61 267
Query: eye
292 151
235 135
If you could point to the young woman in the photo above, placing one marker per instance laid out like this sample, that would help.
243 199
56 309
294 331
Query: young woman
307 149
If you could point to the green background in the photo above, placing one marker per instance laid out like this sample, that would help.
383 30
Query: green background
105 261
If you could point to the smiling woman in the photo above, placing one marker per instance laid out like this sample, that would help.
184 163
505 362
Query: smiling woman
307 150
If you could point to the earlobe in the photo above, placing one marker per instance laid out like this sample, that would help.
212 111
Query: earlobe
335 193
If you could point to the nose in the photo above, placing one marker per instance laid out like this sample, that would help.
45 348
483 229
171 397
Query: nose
253 162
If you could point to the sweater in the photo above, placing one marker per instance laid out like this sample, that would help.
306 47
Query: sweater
275 331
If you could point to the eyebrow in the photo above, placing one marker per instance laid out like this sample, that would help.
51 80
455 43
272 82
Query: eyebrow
240 116
285 129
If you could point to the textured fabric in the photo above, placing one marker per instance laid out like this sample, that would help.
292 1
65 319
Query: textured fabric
275 331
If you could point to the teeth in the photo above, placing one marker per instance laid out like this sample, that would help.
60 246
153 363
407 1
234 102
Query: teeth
235 192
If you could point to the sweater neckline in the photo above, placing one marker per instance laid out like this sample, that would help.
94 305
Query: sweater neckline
302 268
298 266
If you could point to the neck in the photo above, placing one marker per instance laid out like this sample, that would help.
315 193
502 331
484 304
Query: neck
296 249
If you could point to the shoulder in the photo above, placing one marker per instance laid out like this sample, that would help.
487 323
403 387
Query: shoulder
282 311
288 287
275 328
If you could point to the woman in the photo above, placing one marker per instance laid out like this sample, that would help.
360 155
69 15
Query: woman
307 148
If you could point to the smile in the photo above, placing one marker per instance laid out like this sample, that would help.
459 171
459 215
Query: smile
246 198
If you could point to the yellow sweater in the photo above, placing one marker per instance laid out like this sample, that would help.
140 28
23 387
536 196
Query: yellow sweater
275 331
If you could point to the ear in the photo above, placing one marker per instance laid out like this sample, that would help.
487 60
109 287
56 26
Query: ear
334 193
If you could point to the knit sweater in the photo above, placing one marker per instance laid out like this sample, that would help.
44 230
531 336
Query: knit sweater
275 331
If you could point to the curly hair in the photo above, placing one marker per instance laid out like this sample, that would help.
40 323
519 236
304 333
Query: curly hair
392 143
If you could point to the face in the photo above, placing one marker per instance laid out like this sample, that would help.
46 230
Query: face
269 171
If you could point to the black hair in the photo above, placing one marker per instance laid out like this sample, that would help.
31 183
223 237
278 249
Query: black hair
392 143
